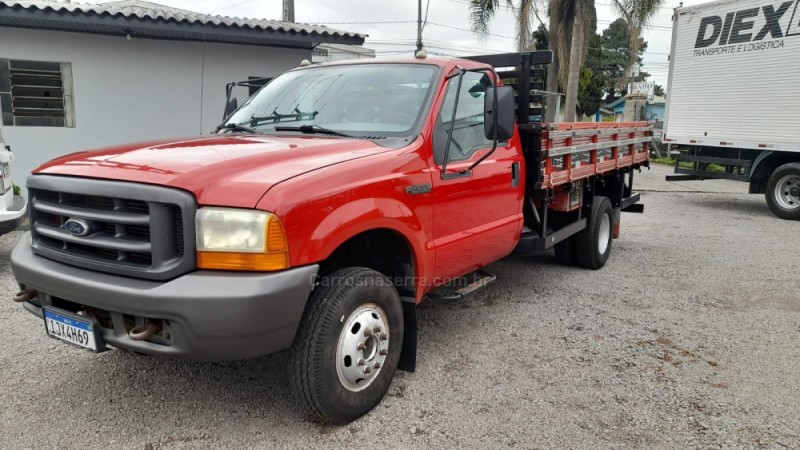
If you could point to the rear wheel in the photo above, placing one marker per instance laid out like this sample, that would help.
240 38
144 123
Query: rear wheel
783 191
593 244
348 345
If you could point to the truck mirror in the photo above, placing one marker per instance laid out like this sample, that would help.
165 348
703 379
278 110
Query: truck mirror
503 115
232 106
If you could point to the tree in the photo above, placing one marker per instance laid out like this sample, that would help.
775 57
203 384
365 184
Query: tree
540 38
590 91
567 35
609 55
483 11
580 17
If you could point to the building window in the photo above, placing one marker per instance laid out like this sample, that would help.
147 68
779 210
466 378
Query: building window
35 93
319 52
255 83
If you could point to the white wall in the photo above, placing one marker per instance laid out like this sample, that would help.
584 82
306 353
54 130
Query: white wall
128 91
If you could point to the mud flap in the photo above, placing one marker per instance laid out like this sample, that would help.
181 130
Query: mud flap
408 355
617 216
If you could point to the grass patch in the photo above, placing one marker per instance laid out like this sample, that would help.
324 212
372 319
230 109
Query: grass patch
686 164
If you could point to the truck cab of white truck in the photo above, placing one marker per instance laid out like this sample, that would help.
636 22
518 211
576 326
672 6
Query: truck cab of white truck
12 206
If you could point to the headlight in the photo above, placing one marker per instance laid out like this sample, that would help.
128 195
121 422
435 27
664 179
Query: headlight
240 239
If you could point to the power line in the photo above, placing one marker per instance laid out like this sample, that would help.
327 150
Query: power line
366 23
471 31
350 15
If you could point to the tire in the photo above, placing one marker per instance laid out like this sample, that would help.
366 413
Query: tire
566 253
343 312
783 191
593 244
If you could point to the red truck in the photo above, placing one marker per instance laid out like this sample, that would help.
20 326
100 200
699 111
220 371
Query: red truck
318 216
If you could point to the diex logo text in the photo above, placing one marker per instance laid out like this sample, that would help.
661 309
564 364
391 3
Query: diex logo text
739 28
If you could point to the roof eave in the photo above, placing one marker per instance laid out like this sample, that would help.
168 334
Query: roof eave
106 24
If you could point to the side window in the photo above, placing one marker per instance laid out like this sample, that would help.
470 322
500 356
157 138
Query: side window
36 93
468 134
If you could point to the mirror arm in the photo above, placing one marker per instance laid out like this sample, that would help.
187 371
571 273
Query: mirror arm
228 92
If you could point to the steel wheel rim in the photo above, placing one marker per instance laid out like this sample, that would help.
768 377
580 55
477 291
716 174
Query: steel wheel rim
603 233
363 347
786 192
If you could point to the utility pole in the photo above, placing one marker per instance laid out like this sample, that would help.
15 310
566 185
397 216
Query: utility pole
288 10
419 25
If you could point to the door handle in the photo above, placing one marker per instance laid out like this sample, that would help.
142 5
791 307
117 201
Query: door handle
515 174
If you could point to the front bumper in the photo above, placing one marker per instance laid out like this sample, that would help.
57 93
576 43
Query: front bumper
13 217
209 315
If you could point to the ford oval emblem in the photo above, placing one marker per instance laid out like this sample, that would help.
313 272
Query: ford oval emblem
78 227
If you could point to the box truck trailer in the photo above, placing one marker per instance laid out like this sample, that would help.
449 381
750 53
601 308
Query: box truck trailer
733 97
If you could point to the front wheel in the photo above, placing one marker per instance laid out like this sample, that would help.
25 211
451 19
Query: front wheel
783 191
348 345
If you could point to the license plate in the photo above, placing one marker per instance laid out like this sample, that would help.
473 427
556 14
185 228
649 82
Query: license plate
71 328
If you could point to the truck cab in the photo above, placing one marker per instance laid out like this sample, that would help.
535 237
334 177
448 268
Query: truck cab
12 205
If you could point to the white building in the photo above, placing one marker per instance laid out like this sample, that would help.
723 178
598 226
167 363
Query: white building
337 52
80 76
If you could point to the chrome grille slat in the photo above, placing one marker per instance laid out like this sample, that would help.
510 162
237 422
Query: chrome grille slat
91 214
96 240
134 229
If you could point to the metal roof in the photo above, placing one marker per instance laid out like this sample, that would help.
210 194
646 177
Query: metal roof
143 19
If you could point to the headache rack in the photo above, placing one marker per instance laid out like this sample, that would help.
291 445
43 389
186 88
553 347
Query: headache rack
562 160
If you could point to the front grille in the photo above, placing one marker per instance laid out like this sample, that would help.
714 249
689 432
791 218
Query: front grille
133 229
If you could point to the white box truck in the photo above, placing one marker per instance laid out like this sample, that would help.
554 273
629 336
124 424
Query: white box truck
12 207
733 96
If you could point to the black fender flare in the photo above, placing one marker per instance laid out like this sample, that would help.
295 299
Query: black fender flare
760 159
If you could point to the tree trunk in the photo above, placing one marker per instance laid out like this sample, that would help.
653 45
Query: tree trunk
575 58
552 74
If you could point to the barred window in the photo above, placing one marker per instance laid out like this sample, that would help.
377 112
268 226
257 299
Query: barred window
319 51
35 93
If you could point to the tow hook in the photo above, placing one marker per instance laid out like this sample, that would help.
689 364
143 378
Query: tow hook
25 296
144 331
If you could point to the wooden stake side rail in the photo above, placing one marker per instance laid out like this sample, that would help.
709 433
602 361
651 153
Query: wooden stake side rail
574 151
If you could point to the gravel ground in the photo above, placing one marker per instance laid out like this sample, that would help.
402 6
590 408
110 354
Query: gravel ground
689 337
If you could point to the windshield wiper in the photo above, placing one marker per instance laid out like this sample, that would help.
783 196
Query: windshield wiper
316 129
235 127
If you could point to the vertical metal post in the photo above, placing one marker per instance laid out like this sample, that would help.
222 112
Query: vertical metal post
524 90
419 25
288 10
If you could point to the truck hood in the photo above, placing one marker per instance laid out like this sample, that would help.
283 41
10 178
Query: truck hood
222 170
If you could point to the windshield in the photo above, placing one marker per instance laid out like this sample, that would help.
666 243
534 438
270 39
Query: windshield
365 100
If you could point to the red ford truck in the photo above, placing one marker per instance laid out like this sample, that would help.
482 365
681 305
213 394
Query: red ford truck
319 215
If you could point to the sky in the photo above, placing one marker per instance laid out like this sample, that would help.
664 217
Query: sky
391 25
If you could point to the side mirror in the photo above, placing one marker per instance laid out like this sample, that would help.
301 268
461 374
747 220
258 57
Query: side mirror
504 112
232 106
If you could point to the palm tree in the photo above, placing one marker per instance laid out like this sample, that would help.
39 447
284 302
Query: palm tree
571 22
483 11
579 18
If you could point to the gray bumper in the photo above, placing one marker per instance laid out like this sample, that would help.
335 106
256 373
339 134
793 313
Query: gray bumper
211 315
